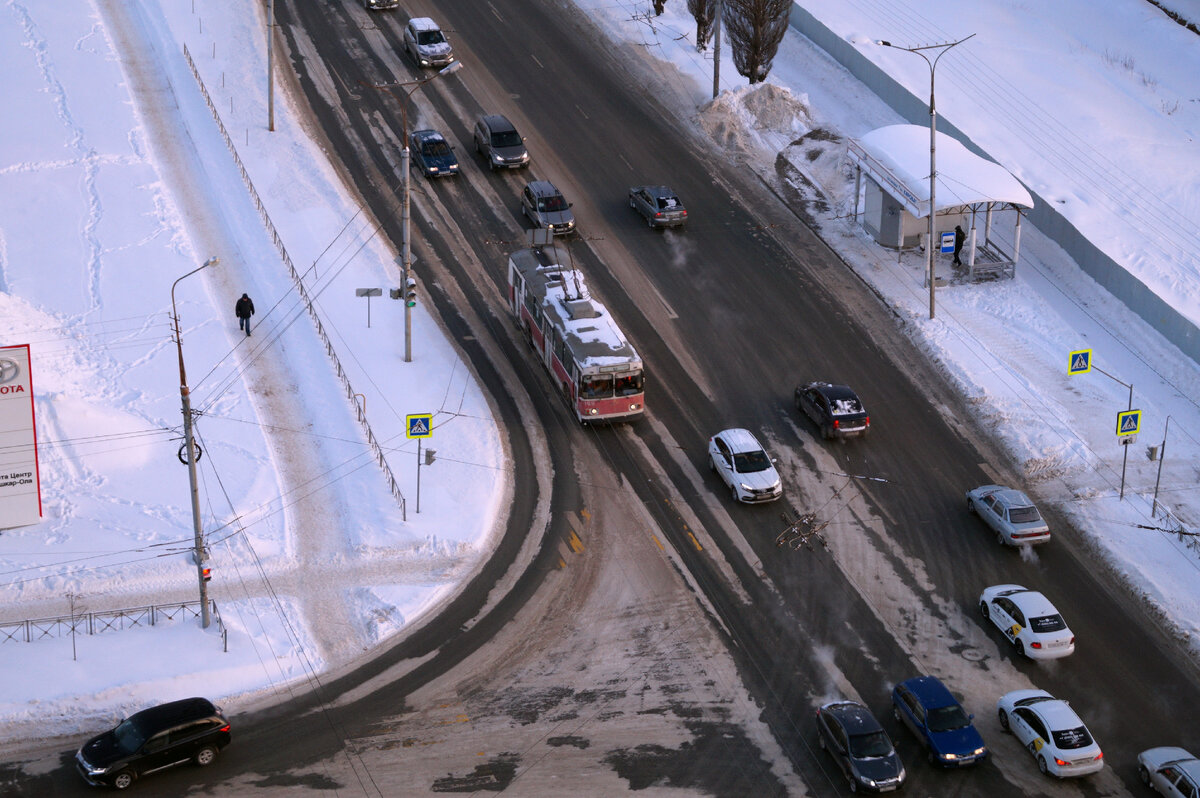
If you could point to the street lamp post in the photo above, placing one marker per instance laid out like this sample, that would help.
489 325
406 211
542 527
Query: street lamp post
943 48
406 247
198 554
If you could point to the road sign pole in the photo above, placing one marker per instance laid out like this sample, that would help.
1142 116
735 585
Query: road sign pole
1125 459
418 476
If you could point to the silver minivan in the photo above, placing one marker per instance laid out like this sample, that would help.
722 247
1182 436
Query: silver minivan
546 207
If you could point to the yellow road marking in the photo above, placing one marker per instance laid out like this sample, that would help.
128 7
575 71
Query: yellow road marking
575 543
561 563
695 542
656 543
586 515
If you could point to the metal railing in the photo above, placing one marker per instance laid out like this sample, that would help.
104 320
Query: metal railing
359 413
94 623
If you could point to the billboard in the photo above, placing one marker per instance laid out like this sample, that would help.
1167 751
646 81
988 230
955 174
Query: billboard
20 489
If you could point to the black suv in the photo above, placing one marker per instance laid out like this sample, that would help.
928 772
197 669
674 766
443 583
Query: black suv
835 409
860 746
154 739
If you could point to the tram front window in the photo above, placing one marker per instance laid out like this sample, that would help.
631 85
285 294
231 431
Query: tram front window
629 384
598 387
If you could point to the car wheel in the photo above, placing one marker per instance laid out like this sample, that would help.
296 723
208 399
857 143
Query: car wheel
650 222
736 498
821 741
205 755
1144 775
123 780
930 757
1020 647
896 713
853 784
971 506
984 611
1000 539
1042 765
826 431
632 204
478 151
712 464
1003 717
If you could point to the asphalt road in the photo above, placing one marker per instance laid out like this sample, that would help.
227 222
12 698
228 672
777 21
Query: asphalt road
729 316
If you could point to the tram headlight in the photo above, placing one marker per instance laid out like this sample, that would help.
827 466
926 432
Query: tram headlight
593 411
634 406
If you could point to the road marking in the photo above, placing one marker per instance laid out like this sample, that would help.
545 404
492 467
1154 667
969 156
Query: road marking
456 719
585 514
561 563
575 543
582 112
495 12
670 310
695 542
657 543
536 61
991 475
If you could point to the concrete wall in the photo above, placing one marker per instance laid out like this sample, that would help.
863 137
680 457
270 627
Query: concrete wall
1103 269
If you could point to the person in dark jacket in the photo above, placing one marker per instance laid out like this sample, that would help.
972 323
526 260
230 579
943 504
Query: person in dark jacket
244 309
959 238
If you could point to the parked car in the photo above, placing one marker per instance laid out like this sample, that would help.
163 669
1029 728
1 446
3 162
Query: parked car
658 205
380 5
928 709
1010 513
1028 620
432 153
1050 730
744 466
191 730
498 140
546 207
835 409
860 746
425 43
1170 771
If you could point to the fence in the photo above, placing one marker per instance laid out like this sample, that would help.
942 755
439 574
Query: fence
359 412
94 623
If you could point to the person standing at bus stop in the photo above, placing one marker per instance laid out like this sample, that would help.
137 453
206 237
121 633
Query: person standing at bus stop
959 238
244 309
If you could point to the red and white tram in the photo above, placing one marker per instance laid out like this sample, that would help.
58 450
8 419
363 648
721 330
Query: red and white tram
597 370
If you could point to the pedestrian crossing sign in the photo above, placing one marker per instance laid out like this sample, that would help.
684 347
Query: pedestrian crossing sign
1080 362
418 425
1128 422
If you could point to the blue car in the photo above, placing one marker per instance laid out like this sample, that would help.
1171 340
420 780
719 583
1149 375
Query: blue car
432 153
927 708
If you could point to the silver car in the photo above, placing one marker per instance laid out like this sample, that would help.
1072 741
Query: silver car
658 205
1010 513
743 465
1170 771
497 140
546 207
426 44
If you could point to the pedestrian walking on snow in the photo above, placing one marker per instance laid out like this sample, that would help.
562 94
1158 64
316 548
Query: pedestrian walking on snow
244 309
959 238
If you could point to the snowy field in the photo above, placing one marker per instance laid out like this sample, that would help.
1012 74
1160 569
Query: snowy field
114 180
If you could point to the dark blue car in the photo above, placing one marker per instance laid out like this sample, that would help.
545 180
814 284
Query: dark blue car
432 154
927 708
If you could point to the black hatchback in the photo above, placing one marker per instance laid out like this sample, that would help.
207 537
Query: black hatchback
191 730
860 746
835 409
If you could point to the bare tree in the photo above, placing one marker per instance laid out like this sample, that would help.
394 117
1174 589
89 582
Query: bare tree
704 12
755 29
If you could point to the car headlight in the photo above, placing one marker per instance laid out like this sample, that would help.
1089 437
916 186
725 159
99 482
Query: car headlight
866 781
746 487
950 757
496 157
980 751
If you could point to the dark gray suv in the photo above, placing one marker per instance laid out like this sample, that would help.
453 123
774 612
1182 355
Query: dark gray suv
498 140
546 207
191 730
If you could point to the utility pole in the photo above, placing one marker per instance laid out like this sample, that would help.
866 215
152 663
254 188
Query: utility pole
198 553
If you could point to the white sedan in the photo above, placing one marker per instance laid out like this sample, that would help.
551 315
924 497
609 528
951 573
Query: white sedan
1170 771
1010 513
1028 620
1051 731
744 466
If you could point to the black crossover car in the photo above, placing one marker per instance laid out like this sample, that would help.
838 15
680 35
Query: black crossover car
191 730
863 751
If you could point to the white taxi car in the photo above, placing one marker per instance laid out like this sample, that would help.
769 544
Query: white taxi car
1028 620
744 466
1051 731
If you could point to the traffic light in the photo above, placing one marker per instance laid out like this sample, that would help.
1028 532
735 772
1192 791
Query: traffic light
410 293
429 456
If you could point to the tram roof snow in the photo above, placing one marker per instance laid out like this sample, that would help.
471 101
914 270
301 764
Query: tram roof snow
588 328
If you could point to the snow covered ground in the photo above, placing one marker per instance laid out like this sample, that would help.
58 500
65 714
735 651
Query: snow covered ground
114 180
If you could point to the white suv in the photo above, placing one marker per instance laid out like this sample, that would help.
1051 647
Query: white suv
426 44
742 463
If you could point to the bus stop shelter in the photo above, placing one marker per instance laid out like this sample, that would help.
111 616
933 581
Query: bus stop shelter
891 181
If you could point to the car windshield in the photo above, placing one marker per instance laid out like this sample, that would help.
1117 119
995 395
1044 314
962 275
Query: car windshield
1047 623
1024 515
749 462
430 37
629 384
598 387
551 204
435 148
1068 739
870 746
129 736
947 718
507 138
